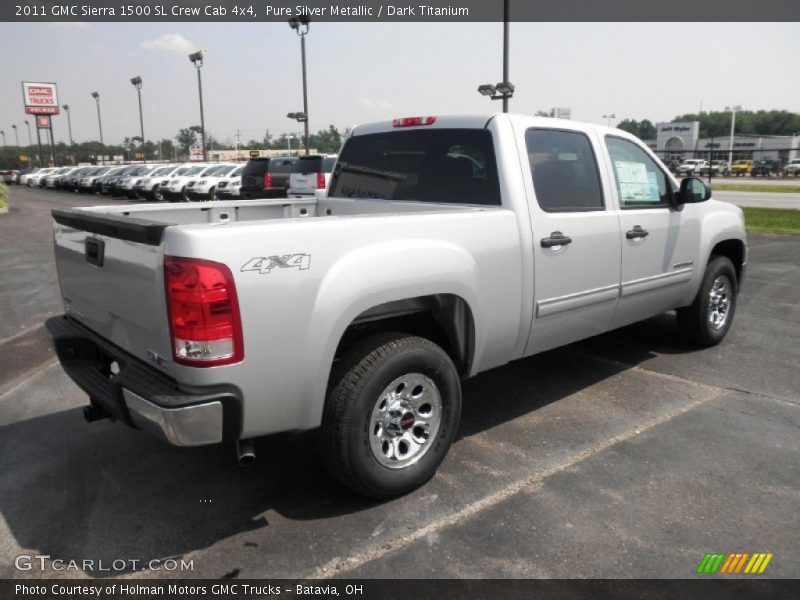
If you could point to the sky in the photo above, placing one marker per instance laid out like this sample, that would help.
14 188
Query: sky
361 72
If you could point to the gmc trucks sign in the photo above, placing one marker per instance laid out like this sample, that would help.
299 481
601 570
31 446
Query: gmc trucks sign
40 98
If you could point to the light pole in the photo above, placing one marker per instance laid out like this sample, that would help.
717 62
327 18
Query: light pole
69 128
608 118
301 117
503 90
198 129
96 97
732 110
16 134
289 143
197 61
300 25
30 141
137 83
3 133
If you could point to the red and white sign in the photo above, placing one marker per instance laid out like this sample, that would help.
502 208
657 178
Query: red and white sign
40 98
195 153
43 122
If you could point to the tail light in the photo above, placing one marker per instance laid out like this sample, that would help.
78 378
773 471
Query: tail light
205 323
267 180
320 181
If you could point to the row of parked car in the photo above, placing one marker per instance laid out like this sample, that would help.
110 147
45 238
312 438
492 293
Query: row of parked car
273 177
694 167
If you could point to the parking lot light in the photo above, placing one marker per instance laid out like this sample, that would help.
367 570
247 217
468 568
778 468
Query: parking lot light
16 134
96 97
300 25
69 128
608 118
3 133
197 61
137 83
732 110
499 91
505 88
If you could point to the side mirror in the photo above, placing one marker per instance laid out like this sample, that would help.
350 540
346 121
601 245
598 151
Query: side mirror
692 190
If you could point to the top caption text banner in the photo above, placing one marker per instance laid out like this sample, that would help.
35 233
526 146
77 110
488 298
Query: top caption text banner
443 11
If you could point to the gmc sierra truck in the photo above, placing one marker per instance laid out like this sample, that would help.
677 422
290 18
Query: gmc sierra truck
443 247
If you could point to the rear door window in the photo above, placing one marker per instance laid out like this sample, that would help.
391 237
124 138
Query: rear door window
437 165
564 170
281 165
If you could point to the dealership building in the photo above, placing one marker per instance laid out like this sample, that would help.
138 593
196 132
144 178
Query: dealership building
682 140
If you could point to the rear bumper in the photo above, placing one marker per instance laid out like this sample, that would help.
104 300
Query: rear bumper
141 396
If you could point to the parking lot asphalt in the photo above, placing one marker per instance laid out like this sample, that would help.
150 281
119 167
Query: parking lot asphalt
626 455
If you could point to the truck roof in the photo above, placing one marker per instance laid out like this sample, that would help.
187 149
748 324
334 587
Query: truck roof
475 121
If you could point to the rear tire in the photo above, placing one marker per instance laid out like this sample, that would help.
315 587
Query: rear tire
392 411
706 321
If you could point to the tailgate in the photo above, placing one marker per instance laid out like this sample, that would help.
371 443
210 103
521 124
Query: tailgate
110 268
303 183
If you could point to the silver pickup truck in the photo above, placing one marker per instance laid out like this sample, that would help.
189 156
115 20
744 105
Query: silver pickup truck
444 246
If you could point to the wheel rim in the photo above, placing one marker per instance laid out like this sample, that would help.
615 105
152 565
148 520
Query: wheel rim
720 299
157 194
405 420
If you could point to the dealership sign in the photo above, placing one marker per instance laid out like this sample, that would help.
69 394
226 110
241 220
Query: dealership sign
40 98
43 122
195 153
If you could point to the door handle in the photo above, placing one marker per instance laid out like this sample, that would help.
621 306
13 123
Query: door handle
636 232
556 239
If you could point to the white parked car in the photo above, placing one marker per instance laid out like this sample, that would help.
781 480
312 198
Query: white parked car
125 184
148 187
202 188
793 168
23 179
691 166
36 178
173 189
309 174
230 188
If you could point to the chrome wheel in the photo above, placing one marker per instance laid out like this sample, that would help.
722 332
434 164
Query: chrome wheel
405 420
719 302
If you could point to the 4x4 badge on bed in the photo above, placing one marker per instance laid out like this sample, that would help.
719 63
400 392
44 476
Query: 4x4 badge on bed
265 264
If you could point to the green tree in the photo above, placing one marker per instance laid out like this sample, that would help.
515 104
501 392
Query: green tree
762 122
185 138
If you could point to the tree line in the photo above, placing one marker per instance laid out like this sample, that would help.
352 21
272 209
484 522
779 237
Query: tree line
11 157
718 124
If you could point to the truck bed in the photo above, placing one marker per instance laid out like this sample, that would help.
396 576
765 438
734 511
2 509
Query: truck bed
149 220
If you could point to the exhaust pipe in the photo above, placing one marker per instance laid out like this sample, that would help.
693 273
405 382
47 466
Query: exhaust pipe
245 452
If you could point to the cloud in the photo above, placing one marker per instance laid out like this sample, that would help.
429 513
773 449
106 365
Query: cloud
376 104
171 42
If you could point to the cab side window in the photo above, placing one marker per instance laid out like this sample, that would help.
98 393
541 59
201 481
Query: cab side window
640 181
564 171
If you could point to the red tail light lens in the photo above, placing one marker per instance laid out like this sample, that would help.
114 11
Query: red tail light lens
204 317
320 181
267 180
413 121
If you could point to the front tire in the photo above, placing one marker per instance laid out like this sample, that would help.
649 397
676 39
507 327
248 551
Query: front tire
706 321
392 412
